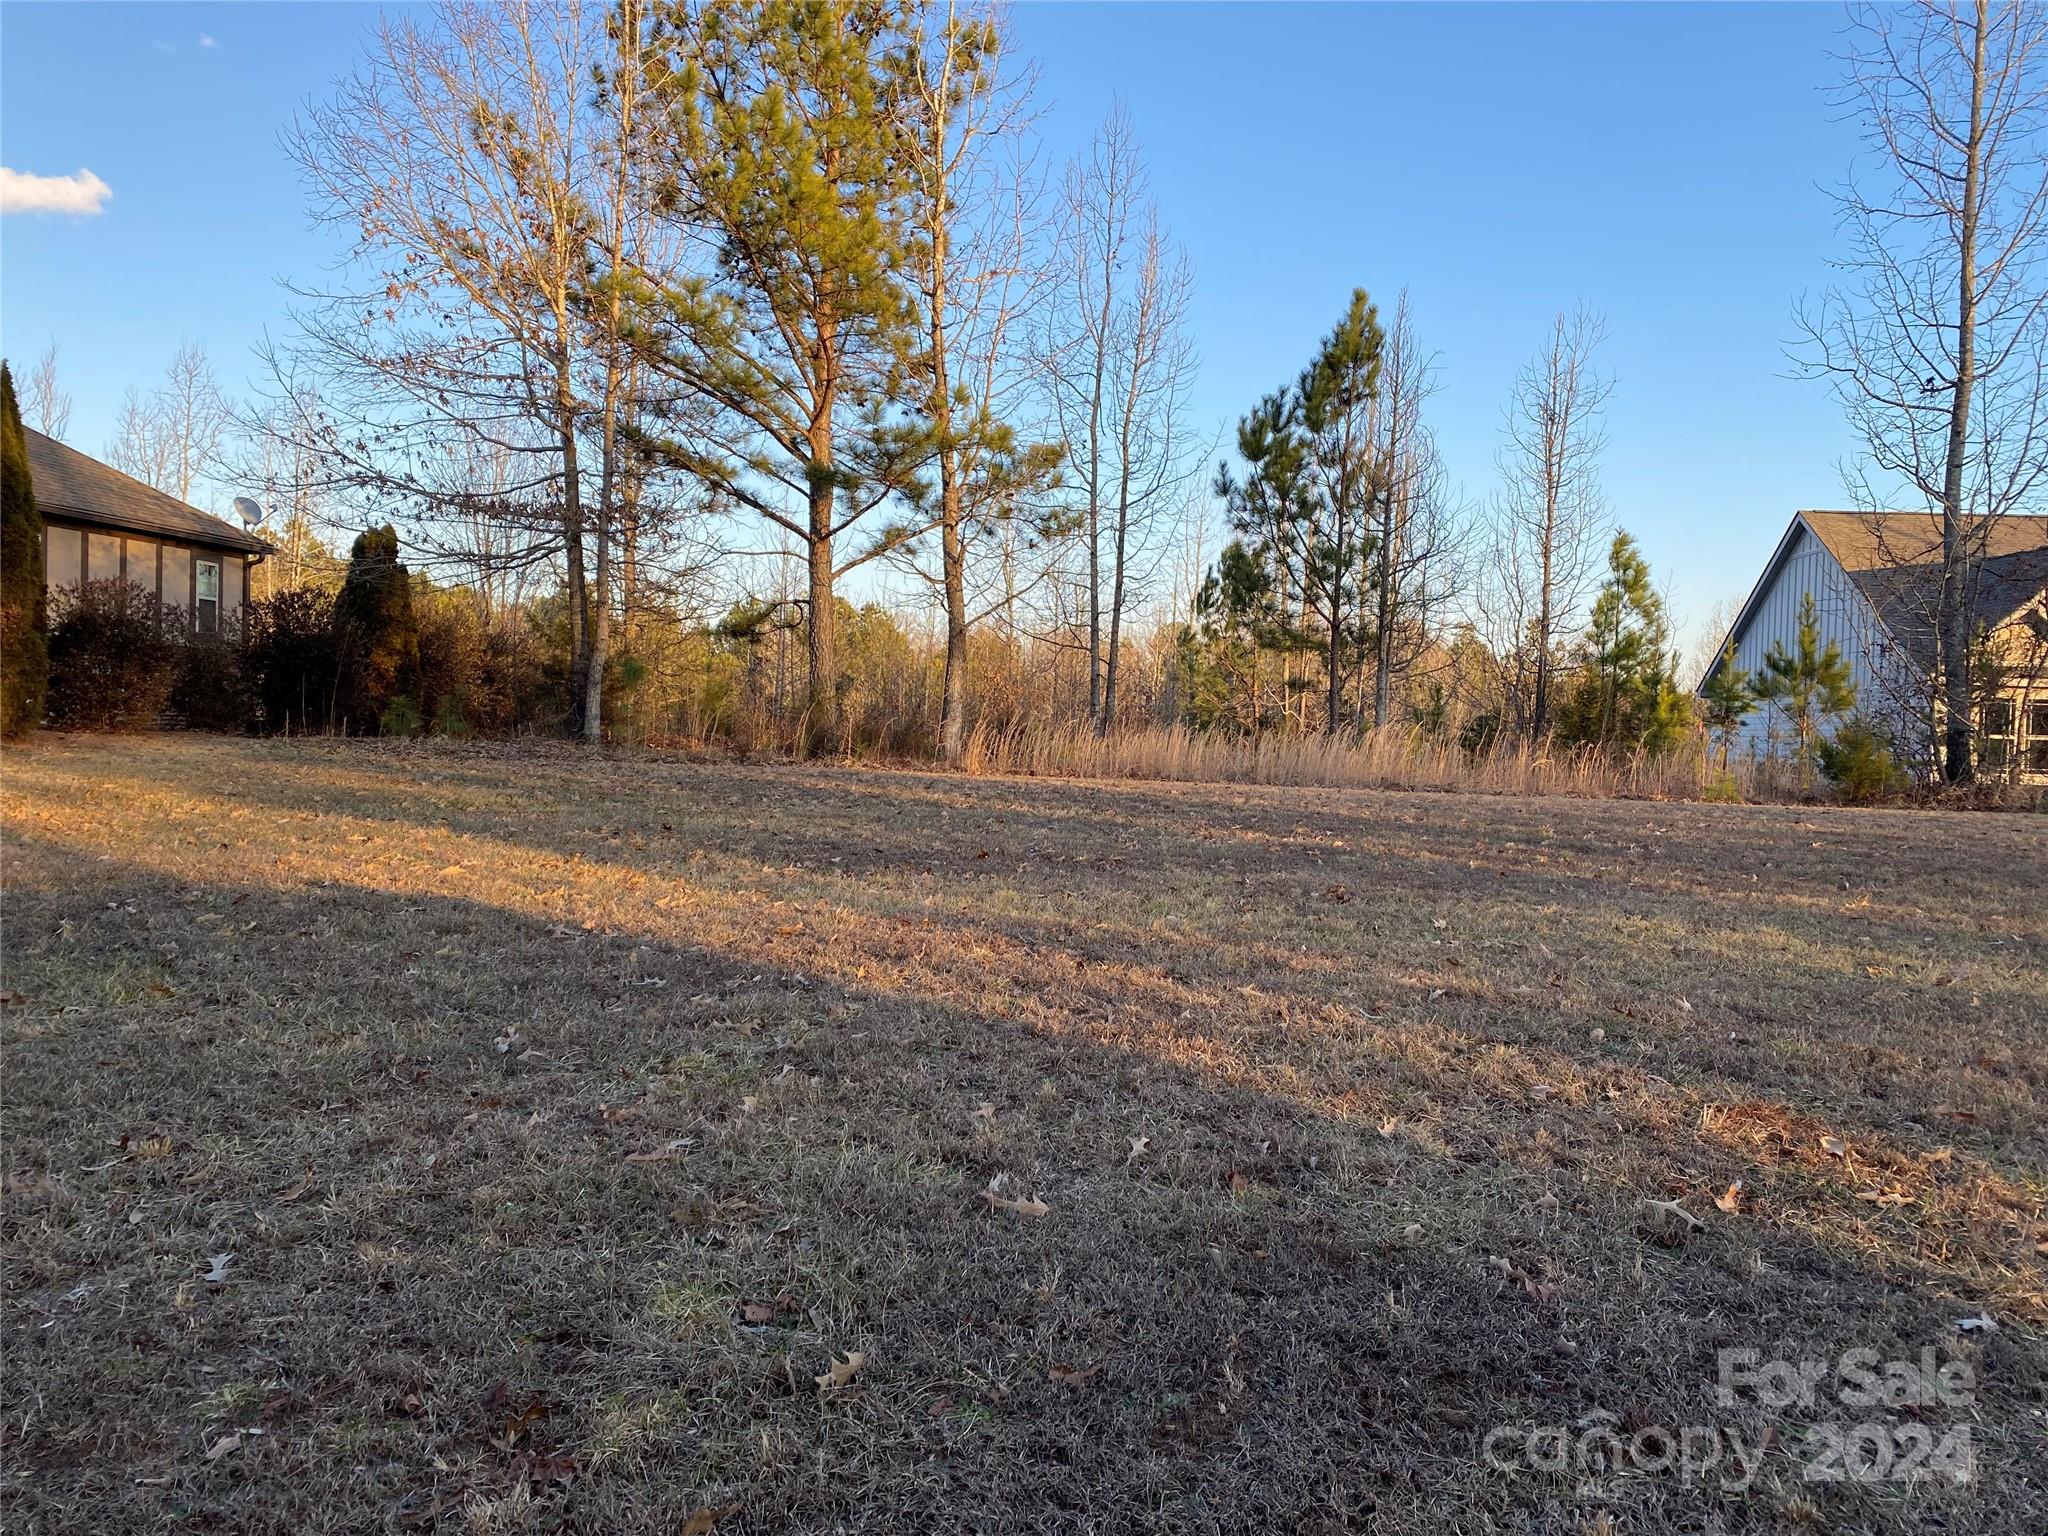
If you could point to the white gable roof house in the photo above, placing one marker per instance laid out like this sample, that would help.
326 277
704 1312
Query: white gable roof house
1874 578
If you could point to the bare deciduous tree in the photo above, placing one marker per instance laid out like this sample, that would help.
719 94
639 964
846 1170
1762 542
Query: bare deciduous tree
1937 346
1415 560
973 195
489 198
1550 515
172 437
44 404
1118 367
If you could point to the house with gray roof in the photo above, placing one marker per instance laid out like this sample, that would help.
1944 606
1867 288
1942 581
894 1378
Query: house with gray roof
1875 578
102 525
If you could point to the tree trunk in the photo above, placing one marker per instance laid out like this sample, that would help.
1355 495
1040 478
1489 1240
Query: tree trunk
1333 702
598 630
821 689
572 550
953 728
1540 706
1956 605
1106 720
1095 679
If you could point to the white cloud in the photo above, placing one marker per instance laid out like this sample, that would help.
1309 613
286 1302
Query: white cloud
206 40
22 192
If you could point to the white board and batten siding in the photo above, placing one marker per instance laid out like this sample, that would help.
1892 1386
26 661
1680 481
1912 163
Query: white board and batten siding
1884 688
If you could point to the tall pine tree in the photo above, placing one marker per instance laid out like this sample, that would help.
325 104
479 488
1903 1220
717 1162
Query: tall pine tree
1300 509
775 135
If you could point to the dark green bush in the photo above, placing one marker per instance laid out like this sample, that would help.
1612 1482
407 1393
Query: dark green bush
113 657
1858 761
211 690
290 661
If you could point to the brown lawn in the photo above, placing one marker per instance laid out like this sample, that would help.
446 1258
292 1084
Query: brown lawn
564 1120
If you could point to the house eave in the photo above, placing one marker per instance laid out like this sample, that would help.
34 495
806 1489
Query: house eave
226 538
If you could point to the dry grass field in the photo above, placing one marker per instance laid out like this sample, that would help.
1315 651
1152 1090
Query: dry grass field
467 1140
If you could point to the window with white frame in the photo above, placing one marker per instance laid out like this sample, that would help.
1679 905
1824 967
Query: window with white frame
207 595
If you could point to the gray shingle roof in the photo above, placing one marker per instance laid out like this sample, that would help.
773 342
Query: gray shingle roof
1894 558
72 484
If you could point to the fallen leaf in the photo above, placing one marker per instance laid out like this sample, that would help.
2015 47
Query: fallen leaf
1834 1146
1023 1205
700 1523
1140 1145
287 1196
985 1112
1389 1126
218 1274
231 1441
841 1370
1070 1376
659 1154
1730 1199
1981 1323
519 1424
1673 1208
1884 1197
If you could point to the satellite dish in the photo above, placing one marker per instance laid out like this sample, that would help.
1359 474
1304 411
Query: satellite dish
250 514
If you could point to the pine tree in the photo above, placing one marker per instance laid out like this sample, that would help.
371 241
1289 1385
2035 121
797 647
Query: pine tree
24 647
1301 509
1726 698
1810 684
775 132
1627 692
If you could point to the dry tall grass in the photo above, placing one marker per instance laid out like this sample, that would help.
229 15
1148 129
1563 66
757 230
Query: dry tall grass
1390 758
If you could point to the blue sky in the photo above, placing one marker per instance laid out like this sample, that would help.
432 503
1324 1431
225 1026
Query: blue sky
1663 164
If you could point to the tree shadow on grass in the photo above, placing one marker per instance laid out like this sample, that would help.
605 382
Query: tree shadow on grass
1903 1055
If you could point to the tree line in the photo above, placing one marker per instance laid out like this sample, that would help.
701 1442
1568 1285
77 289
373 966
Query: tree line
664 324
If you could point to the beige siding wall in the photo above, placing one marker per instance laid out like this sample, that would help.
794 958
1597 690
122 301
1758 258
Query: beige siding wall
72 555
177 591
